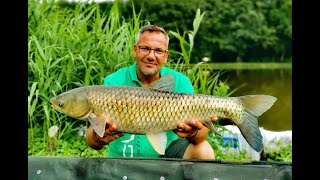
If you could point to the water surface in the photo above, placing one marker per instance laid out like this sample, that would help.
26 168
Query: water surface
277 82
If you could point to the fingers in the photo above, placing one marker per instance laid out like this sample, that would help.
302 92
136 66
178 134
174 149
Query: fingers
110 137
110 134
180 133
191 125
111 129
188 129
214 118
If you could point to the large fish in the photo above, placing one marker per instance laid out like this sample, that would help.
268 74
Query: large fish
155 109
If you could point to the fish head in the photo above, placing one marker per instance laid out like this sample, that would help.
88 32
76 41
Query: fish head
73 103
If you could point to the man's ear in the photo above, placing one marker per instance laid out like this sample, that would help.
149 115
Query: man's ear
167 56
134 50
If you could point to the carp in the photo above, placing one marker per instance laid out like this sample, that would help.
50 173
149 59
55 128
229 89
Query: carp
155 109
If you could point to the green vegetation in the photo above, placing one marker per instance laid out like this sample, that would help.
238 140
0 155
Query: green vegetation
285 155
73 145
231 31
252 65
79 46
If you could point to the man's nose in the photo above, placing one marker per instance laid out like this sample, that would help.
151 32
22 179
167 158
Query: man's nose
151 54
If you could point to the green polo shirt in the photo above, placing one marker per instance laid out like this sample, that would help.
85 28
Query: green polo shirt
133 145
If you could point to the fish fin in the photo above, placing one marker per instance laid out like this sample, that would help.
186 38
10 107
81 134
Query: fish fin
165 83
250 131
254 106
209 125
98 124
158 142
258 104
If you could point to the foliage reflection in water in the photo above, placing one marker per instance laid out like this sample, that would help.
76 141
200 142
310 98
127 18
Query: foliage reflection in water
276 82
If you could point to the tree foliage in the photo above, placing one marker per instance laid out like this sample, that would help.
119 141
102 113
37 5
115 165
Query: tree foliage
231 30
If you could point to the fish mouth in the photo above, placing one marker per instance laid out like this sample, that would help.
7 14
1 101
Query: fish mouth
56 108
55 104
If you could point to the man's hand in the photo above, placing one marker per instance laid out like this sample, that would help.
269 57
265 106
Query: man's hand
194 130
110 134
189 129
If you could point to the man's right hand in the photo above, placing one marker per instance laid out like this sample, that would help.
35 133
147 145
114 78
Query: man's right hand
110 134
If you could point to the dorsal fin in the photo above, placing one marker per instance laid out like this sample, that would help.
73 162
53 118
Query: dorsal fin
165 83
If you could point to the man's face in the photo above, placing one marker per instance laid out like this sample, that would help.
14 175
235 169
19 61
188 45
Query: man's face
150 63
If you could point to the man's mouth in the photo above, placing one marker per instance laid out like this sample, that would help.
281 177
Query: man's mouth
149 61
149 64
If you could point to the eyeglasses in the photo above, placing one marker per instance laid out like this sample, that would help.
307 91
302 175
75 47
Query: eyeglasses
144 50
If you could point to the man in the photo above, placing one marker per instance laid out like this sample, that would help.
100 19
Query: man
188 141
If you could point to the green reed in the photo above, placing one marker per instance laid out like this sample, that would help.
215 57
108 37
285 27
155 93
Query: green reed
68 48
204 79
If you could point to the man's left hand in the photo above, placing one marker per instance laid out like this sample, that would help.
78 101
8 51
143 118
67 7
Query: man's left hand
191 129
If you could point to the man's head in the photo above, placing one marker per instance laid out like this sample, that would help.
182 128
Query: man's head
151 49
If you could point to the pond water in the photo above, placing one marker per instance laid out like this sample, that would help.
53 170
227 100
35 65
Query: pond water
275 82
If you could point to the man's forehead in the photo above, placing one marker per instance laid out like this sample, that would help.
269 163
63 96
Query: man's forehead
148 33
153 38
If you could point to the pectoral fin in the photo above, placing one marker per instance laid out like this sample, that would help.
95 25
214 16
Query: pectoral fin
158 142
98 124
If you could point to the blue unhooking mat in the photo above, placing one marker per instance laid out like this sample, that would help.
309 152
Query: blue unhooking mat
72 168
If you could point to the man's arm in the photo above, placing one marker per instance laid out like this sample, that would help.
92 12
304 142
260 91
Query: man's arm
196 133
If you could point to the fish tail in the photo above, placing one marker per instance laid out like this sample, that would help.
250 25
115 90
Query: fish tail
254 106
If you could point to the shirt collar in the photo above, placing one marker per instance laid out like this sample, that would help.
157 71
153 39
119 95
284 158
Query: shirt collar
133 73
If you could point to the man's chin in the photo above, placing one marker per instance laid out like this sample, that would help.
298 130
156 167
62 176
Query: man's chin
149 71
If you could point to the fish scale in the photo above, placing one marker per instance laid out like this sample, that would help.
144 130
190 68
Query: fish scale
156 109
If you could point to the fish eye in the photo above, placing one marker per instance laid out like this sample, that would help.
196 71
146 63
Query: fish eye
60 103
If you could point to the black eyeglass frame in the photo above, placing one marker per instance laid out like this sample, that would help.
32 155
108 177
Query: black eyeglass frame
149 50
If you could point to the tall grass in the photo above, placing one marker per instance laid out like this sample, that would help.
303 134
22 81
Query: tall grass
204 79
68 48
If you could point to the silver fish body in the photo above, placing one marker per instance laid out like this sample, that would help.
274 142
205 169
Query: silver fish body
153 110
141 110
